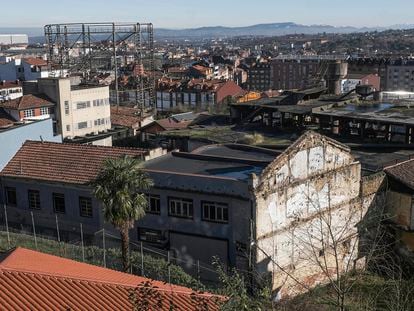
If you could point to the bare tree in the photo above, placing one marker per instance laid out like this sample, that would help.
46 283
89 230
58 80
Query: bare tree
339 242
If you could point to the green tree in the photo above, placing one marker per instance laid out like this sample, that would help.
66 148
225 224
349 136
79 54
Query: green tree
119 186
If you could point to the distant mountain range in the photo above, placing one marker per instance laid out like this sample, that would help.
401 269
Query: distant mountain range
273 29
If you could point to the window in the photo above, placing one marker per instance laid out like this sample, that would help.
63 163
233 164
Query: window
99 122
83 105
34 199
11 197
82 125
68 128
100 102
66 107
180 207
85 206
153 206
149 235
59 203
44 110
217 212
29 113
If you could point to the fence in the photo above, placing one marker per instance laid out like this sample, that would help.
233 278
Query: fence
104 251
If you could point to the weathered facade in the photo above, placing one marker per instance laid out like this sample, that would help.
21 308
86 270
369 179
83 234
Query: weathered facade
308 195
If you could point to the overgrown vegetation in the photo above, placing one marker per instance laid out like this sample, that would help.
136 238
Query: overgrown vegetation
227 134
154 268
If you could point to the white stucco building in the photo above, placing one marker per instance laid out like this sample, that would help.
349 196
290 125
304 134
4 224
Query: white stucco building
82 112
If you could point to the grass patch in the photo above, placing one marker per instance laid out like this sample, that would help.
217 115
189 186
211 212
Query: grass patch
154 268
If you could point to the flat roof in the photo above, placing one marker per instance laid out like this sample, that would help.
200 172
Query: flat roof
384 112
213 161
85 86
216 169
374 159
238 151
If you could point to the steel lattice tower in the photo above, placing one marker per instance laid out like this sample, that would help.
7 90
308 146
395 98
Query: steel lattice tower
90 49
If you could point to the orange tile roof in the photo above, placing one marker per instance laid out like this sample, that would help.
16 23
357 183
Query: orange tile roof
66 163
125 116
31 280
5 119
172 124
35 61
27 102
10 84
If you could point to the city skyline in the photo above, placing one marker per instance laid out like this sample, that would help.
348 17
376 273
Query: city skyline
178 14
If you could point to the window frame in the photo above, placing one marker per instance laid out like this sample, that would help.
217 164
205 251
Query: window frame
176 200
216 205
67 110
156 211
82 127
26 113
85 199
62 196
44 111
7 190
31 192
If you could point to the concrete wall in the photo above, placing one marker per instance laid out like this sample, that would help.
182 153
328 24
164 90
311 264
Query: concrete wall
293 198
19 216
59 90
8 71
237 229
12 139
221 238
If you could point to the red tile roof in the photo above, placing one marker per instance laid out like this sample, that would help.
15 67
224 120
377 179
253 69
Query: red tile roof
172 124
31 280
35 61
125 116
5 119
66 163
202 69
10 84
27 102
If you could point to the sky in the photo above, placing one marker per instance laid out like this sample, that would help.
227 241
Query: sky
193 13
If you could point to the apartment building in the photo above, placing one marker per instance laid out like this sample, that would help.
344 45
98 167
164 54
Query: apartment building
24 69
194 93
259 77
82 111
292 73
10 90
400 76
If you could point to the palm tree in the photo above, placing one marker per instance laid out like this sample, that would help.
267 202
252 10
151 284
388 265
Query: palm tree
119 187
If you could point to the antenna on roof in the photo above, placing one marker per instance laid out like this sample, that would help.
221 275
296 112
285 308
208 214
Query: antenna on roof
41 138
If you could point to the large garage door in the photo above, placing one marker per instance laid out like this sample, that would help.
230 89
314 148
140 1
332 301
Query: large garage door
190 248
